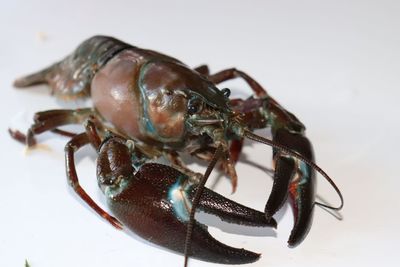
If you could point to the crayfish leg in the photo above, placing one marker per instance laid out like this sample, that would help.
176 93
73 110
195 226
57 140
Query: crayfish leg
72 146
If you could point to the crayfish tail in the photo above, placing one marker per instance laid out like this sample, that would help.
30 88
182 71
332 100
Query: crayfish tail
71 77
39 77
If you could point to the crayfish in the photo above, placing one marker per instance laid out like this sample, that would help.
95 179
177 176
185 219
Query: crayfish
147 105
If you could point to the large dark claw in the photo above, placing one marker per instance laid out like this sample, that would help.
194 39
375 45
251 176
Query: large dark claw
296 178
230 211
155 204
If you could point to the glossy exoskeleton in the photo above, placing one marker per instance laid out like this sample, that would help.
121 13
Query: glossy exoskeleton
147 105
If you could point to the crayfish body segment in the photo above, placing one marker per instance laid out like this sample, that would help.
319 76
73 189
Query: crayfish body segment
147 105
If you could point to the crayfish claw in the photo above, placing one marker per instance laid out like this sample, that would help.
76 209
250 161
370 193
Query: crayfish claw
295 178
302 201
207 248
155 202
284 171
230 211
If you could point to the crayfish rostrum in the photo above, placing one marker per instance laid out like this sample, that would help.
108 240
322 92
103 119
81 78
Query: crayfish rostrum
148 105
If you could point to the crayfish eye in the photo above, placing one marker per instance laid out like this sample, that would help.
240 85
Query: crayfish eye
226 92
194 106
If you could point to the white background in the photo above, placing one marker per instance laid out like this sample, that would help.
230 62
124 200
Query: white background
335 64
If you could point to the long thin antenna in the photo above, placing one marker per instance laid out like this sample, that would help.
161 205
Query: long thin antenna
293 153
196 200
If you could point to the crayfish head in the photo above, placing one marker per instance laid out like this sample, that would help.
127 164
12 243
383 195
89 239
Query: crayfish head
178 103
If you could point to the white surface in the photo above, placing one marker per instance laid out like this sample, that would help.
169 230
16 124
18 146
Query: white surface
335 64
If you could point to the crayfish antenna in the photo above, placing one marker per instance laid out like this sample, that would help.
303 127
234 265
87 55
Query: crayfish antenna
195 203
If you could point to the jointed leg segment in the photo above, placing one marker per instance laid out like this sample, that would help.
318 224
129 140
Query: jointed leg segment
78 141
